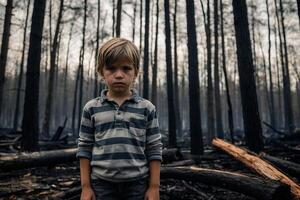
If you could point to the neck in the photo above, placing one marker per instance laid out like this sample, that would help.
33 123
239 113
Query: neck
119 95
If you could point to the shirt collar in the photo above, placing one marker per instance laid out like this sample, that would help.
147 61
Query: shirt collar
134 97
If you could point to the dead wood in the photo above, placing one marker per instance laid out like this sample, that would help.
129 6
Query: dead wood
257 164
170 155
291 168
254 187
54 157
68 193
180 163
36 159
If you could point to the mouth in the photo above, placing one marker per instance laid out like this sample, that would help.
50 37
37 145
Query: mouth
119 83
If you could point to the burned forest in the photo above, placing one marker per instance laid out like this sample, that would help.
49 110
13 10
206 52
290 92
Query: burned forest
223 75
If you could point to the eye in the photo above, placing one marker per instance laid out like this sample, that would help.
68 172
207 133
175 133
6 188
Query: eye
127 68
110 68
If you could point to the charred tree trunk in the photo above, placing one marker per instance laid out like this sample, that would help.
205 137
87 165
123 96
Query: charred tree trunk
218 109
254 187
209 91
96 89
20 78
298 6
4 47
53 55
119 14
272 113
289 117
252 126
230 115
141 45
133 24
258 165
194 96
30 123
80 67
277 63
171 106
154 70
146 52
176 88
113 17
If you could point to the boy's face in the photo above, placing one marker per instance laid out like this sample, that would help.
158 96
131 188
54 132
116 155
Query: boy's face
119 76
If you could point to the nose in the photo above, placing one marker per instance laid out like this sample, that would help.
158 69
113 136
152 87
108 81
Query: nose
119 74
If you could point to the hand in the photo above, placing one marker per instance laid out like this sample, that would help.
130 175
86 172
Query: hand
87 194
152 193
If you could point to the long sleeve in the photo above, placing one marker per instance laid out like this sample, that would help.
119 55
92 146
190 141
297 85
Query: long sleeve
153 141
86 135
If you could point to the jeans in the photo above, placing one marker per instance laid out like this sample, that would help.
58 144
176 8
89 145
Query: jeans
131 190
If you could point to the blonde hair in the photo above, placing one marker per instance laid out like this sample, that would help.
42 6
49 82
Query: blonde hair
115 49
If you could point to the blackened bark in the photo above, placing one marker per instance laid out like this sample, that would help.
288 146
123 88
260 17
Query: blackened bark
96 89
113 17
133 24
146 52
80 66
171 108
230 115
194 90
30 123
252 125
154 70
272 113
53 54
209 91
298 6
20 78
176 88
289 116
281 60
4 47
119 14
218 109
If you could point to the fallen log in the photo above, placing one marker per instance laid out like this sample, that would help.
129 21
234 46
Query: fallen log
54 157
291 168
170 155
180 163
37 159
254 187
257 164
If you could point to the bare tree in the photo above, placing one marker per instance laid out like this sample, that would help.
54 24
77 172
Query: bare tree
53 56
252 126
209 91
289 117
4 47
30 123
171 106
176 88
96 90
146 52
194 96
20 78
272 113
230 114
154 69
220 132
119 14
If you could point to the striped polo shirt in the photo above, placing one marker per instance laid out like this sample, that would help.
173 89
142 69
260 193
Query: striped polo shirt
119 141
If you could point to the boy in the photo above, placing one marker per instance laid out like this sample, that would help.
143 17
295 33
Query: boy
119 144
